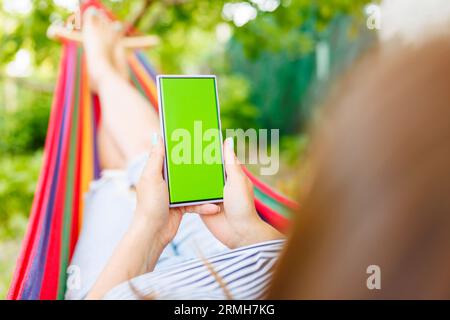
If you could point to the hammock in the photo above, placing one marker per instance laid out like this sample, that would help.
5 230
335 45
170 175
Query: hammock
71 162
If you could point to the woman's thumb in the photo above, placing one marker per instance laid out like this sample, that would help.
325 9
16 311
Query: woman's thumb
154 167
232 165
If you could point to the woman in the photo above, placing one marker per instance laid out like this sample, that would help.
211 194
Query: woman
121 240
379 201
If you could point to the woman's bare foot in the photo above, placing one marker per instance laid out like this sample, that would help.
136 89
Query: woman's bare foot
102 44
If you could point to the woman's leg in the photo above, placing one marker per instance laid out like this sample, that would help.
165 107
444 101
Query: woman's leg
127 119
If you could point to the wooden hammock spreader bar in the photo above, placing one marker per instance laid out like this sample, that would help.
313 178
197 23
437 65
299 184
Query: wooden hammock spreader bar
131 42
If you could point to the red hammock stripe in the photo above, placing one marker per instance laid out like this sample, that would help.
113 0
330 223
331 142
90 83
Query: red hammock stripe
273 218
144 81
270 192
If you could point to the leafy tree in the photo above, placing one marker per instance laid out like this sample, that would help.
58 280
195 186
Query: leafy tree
177 21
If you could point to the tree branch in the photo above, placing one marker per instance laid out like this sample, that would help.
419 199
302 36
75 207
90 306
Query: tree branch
30 84
141 13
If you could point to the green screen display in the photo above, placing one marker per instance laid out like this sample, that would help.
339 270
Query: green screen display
190 119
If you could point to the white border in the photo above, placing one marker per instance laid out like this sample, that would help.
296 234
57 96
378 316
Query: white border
163 134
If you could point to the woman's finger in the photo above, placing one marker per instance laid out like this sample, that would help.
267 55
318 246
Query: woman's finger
208 208
154 167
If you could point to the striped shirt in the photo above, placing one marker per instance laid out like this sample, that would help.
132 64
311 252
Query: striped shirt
246 273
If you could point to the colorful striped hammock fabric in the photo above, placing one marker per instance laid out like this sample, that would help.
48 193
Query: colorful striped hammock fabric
70 163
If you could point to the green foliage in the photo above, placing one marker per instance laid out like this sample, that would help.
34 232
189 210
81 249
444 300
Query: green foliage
24 129
292 147
285 86
175 21
30 31
18 177
237 89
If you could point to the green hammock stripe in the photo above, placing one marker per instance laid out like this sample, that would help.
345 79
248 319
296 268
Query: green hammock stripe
272 204
68 204
137 84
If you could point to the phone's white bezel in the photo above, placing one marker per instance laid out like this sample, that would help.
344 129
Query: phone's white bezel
163 134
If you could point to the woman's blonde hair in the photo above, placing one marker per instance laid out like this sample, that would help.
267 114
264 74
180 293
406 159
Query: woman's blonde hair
381 185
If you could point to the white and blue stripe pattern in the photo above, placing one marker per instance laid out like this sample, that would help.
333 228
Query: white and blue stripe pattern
245 271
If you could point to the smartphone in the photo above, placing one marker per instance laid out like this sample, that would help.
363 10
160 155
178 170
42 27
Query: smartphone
190 123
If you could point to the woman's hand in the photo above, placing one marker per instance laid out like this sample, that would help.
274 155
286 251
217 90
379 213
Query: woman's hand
238 224
154 225
152 209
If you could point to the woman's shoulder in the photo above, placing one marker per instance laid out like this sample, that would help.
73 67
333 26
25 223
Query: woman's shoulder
242 273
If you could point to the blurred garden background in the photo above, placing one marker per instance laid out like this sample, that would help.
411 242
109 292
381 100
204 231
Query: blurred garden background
275 60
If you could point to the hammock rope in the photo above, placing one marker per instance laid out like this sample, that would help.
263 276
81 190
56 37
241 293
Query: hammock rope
70 163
